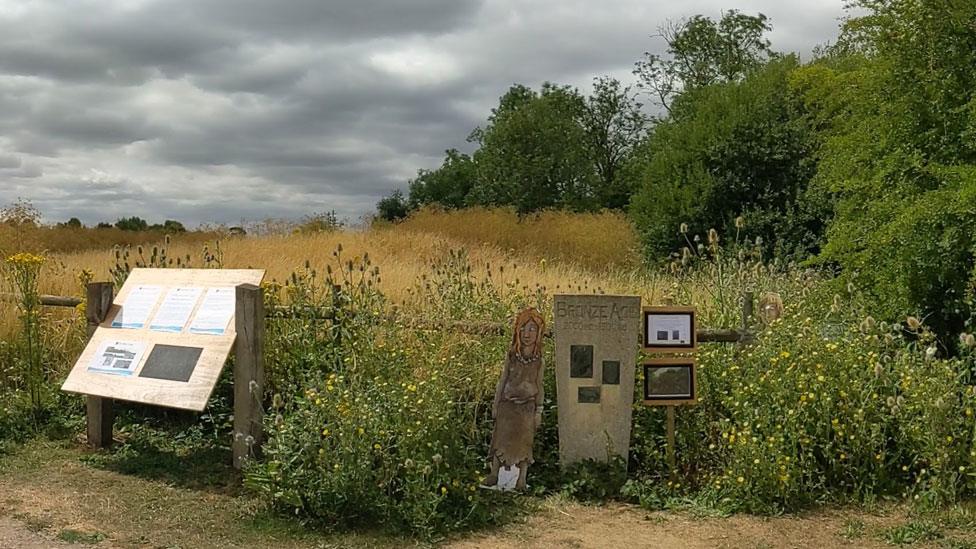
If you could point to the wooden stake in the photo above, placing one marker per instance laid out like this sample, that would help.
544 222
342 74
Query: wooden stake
248 373
100 412
748 298
672 465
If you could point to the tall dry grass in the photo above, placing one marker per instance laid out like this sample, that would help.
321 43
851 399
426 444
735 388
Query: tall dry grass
602 241
555 251
16 238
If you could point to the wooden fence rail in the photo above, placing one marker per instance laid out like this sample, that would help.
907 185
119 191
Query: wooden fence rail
705 335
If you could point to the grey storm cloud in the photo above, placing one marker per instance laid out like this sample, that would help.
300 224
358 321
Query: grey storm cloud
222 110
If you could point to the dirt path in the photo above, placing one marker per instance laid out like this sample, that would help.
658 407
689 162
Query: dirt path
50 497
576 526
569 525
15 535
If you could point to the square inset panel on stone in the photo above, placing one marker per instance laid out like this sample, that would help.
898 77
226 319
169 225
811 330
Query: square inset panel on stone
581 361
611 372
171 362
588 395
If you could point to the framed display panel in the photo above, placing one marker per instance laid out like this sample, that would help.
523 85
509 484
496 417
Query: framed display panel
183 366
670 382
669 329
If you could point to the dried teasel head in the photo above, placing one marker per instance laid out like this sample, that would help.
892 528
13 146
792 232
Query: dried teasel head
868 325
740 222
712 237
913 323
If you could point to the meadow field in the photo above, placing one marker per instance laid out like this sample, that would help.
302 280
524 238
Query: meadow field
391 426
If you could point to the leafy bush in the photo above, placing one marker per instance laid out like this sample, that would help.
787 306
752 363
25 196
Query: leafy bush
827 405
373 422
728 150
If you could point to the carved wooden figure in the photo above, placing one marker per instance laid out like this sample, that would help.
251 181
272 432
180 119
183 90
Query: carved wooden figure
518 404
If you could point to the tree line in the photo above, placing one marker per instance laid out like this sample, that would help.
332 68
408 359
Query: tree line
862 159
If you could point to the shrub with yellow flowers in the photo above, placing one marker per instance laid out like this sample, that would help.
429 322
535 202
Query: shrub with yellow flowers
373 421
827 405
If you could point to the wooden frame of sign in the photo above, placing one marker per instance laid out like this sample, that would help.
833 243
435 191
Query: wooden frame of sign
669 329
686 395
184 371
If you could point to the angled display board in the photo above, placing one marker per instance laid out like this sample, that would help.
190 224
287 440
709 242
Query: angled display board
165 339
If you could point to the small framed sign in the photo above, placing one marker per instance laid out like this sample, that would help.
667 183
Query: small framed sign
669 329
670 382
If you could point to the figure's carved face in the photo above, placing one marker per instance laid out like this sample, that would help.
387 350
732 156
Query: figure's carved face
529 334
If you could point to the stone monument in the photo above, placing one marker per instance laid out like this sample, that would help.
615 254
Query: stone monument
597 338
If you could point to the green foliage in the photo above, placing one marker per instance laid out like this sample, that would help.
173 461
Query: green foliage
703 52
729 150
447 186
827 405
897 106
132 224
614 127
392 207
548 149
373 422
532 153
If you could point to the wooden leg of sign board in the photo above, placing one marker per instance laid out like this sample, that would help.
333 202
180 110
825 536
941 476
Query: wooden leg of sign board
101 415
248 372
670 430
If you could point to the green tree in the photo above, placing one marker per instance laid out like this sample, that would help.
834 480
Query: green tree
132 224
533 152
172 226
731 149
702 52
447 185
897 118
614 126
392 207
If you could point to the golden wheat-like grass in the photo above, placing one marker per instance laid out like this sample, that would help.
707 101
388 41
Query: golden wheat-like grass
560 252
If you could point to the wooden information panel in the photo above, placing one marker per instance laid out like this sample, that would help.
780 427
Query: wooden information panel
168 328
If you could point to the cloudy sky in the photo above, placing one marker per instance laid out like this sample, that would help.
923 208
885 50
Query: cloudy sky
229 110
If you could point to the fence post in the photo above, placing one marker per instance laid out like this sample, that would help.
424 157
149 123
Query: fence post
248 372
748 298
100 413
337 322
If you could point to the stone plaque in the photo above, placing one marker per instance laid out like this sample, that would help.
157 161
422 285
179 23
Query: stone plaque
171 362
611 372
595 406
589 395
581 361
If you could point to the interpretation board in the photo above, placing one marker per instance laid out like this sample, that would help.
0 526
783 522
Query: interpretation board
597 337
670 330
165 339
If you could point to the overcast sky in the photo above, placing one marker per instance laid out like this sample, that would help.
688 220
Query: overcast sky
223 110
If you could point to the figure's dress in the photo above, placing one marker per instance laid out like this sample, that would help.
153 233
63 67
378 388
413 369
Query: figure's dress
511 440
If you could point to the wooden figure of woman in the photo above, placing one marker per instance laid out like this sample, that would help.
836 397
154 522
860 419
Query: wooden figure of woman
517 409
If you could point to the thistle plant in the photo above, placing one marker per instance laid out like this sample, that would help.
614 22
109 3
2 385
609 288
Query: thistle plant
23 270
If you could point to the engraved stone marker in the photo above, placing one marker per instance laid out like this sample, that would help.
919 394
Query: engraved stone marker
595 331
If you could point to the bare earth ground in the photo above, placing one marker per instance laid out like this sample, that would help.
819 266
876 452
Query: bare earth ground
51 497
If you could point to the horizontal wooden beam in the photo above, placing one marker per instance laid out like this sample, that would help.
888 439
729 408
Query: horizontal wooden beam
458 326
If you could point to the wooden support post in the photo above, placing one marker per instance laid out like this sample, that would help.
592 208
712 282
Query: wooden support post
337 321
748 299
248 373
672 463
100 413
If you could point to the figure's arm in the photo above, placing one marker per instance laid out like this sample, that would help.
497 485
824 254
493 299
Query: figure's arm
540 396
498 390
